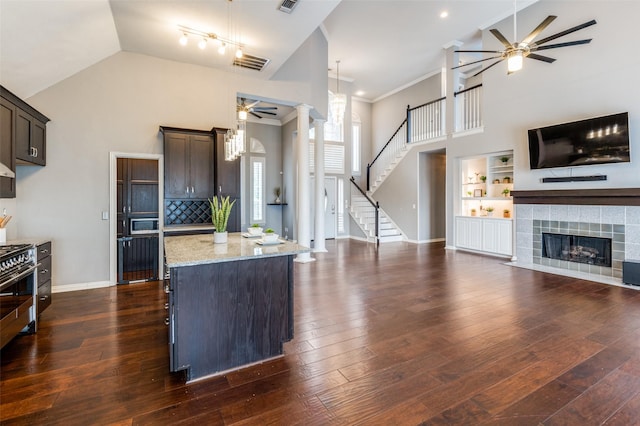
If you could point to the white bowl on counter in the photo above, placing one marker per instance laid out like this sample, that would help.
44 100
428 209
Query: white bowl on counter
270 238
254 230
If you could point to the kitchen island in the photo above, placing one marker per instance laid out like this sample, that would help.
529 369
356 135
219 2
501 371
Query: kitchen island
230 305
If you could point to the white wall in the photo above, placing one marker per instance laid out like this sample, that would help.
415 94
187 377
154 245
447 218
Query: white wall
115 105
585 81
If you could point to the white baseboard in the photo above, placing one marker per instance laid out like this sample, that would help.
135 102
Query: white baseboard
81 286
434 240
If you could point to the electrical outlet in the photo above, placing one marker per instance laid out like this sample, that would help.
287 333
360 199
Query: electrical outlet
105 215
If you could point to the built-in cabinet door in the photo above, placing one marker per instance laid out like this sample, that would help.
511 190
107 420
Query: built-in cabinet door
201 160
176 173
469 233
7 146
30 138
497 236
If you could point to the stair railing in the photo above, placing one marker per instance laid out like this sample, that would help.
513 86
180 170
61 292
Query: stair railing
376 207
424 122
387 154
468 105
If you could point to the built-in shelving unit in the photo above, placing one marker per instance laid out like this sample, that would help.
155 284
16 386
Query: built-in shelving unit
484 180
484 219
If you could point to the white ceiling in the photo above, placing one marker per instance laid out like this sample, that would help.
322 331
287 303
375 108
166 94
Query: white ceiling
383 45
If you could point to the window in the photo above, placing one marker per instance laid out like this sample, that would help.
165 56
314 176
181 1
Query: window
355 147
333 158
257 190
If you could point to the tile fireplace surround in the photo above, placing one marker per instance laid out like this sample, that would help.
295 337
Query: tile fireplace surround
613 213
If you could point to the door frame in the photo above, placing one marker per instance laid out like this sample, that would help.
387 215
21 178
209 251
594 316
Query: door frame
113 191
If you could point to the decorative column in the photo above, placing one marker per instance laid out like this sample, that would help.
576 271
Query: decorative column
303 202
318 241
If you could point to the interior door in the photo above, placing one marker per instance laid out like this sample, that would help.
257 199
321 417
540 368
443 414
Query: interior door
329 208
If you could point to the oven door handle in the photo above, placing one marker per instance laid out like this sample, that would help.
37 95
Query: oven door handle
19 275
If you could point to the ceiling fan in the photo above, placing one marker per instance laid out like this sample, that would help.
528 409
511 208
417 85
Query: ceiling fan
515 52
249 106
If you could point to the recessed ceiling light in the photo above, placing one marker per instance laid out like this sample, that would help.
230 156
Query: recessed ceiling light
444 14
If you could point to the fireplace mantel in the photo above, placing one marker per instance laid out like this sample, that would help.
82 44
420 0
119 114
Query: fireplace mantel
596 197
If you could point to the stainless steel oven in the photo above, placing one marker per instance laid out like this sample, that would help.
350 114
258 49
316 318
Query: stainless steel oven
18 291
144 226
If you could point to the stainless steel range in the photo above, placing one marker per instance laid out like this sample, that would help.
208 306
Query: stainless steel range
18 291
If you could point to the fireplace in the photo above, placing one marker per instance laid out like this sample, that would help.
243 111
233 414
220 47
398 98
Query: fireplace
577 248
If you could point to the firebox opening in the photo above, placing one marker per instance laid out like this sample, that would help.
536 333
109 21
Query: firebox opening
577 248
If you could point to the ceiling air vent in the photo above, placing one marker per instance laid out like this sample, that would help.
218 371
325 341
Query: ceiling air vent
251 62
287 5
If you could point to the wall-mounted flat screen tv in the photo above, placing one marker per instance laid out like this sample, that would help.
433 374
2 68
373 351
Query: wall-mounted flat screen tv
597 140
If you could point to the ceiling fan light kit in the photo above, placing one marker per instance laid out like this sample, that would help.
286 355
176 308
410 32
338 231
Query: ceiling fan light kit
515 52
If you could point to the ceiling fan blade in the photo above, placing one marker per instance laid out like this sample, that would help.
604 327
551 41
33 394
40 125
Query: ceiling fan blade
541 58
266 112
478 51
502 38
264 108
475 62
251 105
255 115
533 34
565 32
486 68
569 43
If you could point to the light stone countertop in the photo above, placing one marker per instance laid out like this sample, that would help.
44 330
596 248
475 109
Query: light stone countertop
188 250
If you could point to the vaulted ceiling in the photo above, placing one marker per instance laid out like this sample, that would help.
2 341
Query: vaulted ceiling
381 44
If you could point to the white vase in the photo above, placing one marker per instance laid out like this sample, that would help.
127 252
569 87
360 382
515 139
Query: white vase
220 237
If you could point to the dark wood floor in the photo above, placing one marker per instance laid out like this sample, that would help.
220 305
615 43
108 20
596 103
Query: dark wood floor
408 335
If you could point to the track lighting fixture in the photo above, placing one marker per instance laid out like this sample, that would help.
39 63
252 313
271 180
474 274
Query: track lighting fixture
205 37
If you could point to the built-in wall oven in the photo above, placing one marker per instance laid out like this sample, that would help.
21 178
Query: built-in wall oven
18 291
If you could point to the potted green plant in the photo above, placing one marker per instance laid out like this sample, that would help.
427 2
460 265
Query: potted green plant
220 211
506 192
504 160
254 230
489 211
269 236
506 213
277 192
483 179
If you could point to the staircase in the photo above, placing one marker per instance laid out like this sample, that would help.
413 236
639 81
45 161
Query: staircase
364 214
393 162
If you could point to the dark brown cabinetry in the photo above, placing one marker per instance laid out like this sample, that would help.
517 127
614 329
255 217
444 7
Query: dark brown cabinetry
7 146
194 172
43 256
23 137
189 164
31 137
137 201
225 315
137 191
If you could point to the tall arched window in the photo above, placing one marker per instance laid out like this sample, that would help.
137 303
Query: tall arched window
257 166
356 127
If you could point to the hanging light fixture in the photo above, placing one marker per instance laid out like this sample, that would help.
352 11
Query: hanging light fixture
205 37
339 100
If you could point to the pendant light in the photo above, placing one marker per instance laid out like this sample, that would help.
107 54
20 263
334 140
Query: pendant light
339 100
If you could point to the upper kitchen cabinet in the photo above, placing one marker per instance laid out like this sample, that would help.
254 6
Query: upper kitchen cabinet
29 131
189 164
7 147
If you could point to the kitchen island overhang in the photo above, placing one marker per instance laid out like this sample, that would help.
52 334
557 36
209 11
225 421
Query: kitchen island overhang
230 305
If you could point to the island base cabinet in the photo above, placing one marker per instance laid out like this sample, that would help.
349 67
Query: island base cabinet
229 314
